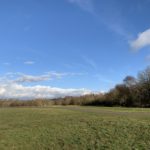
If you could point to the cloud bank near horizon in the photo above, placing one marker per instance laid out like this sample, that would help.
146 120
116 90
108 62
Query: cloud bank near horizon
12 87
18 91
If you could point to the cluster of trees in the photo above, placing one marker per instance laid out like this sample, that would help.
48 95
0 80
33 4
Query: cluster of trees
89 99
132 92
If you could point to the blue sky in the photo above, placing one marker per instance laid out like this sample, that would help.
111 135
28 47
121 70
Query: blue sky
87 45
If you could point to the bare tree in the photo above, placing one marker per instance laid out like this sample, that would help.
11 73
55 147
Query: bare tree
129 81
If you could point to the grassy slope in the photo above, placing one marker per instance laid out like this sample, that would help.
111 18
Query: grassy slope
74 128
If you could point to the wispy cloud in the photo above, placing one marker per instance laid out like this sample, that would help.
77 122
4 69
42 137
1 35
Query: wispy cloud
119 29
147 58
142 40
29 62
22 78
6 63
90 62
103 79
86 5
30 78
108 14
26 78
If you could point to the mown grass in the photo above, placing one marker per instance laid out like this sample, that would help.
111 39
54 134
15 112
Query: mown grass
74 127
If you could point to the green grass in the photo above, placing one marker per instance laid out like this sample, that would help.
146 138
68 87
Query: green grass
74 127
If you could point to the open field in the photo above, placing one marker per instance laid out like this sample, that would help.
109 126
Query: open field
74 127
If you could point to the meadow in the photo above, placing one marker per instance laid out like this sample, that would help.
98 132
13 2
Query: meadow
74 128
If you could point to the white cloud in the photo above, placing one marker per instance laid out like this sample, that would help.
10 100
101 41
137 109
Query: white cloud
29 62
31 92
11 86
141 41
2 91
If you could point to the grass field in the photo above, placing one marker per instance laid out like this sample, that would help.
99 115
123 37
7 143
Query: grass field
74 127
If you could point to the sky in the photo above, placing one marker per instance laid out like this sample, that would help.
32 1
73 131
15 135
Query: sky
51 49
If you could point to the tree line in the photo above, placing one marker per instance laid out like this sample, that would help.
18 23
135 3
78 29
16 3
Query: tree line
132 92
